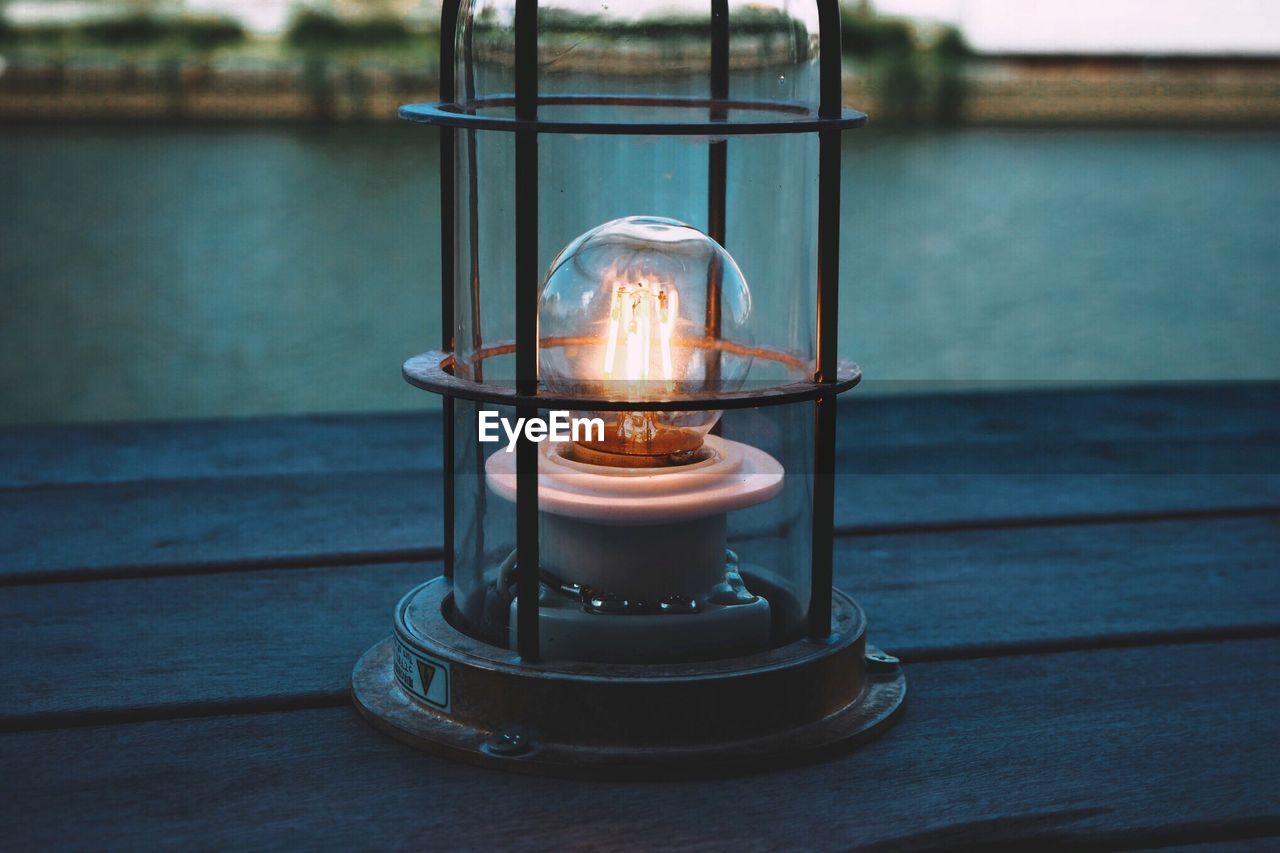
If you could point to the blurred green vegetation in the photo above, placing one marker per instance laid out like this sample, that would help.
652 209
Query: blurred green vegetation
319 31
130 35
328 43
745 21
865 34
209 34
127 32
915 74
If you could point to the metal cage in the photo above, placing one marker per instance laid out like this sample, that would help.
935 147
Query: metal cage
720 117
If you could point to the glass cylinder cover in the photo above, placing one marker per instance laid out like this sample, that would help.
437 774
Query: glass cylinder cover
659 216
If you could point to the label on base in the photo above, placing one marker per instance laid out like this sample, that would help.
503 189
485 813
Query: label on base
427 678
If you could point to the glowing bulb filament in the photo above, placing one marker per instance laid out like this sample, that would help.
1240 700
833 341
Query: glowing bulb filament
611 347
634 316
638 310
668 311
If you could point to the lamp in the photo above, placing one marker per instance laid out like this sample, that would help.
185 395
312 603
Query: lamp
649 588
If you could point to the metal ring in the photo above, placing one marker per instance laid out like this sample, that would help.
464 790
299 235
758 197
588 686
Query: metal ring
432 371
793 117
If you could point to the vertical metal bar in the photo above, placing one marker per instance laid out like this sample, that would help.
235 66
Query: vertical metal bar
717 159
717 180
527 544
831 61
448 260
473 212
824 497
526 297
450 483
828 193
828 255
828 311
480 494
717 183
448 140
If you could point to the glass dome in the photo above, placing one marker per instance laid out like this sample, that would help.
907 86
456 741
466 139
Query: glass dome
624 313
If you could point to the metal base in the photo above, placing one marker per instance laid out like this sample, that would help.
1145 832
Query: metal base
437 689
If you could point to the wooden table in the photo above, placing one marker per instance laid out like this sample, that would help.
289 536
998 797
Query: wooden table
1083 585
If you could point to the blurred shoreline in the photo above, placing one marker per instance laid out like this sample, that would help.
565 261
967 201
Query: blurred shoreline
1033 91
356 68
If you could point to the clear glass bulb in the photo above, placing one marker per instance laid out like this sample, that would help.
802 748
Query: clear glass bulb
624 314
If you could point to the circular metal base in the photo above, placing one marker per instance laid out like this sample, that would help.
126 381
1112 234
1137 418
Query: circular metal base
440 690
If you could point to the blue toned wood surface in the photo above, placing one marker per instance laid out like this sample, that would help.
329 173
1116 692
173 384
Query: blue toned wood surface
1084 586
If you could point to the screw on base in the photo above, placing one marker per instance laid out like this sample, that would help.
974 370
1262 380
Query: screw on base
507 745
878 662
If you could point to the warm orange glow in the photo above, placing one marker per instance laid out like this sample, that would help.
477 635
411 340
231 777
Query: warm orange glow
640 311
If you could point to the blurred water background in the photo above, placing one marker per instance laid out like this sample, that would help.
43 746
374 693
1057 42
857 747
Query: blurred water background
178 272
208 210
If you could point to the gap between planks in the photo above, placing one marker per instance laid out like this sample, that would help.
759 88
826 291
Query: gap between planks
53 720
435 553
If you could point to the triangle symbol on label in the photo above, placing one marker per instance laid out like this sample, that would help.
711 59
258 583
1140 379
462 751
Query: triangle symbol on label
426 672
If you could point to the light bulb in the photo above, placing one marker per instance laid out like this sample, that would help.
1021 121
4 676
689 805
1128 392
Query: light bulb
624 314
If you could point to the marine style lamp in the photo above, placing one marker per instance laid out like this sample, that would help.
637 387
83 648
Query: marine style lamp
640 250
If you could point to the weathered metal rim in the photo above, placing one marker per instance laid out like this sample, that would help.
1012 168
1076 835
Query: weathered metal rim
795 117
868 717
433 371
432 632
861 716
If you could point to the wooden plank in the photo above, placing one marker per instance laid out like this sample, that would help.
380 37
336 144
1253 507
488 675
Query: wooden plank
126 507
249 447
130 645
140 528
1065 412
1001 591
1004 429
1109 748
1253 844
161 646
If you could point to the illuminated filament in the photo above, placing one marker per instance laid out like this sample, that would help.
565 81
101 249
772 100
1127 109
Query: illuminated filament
639 312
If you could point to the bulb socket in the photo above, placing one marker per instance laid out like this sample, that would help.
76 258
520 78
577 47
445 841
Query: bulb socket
668 447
